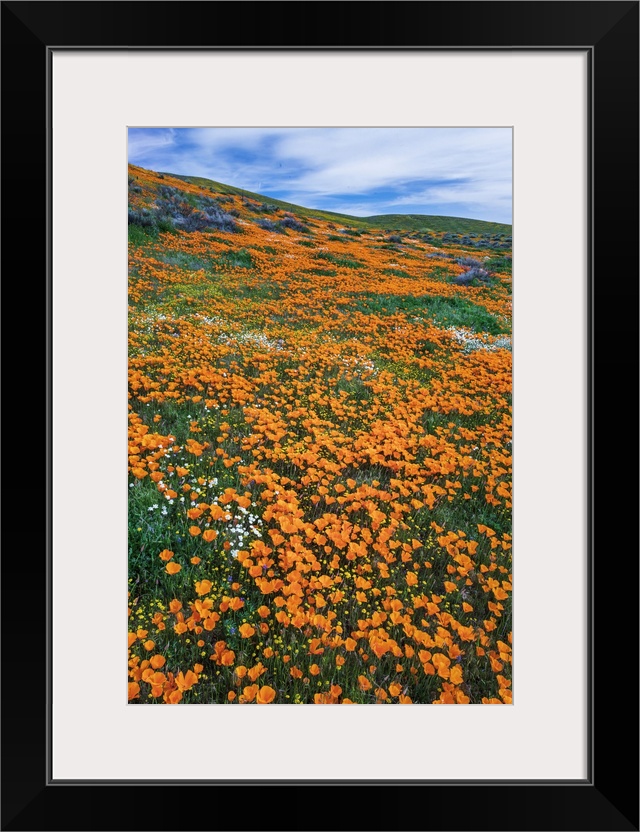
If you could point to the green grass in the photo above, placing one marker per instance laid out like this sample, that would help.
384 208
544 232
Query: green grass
501 265
446 311
143 234
240 259
182 260
321 272
396 273
429 222
345 262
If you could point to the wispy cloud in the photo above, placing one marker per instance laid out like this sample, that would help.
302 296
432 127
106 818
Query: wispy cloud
361 171
150 142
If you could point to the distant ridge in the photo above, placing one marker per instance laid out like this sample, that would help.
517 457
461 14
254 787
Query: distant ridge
384 222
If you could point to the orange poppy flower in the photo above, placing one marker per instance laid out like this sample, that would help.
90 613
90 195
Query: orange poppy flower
173 568
227 658
256 671
441 664
323 699
456 674
265 695
250 692
203 587
186 681
246 630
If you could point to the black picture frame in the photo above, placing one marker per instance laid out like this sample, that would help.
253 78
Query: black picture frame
608 798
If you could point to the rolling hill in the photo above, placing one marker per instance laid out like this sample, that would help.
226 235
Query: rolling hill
385 222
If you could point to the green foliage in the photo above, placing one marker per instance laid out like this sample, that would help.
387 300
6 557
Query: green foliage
396 273
240 259
339 260
499 265
140 236
447 311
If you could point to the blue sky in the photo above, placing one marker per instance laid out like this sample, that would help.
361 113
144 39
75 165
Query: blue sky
451 171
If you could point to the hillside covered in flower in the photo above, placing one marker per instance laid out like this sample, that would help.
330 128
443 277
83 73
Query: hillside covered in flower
319 454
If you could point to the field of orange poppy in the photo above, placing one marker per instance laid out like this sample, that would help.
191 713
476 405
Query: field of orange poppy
319 455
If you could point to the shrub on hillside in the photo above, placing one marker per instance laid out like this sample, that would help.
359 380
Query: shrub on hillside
142 217
211 217
168 192
470 275
175 210
469 262
270 225
291 222
261 207
280 226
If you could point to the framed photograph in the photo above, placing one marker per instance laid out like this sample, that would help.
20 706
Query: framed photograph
313 299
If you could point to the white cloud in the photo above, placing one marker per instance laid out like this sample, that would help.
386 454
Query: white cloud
145 143
362 160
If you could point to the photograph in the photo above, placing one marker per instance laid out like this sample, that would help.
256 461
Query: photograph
320 415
